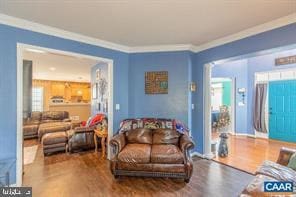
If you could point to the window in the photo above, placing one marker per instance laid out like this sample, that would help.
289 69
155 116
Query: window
37 99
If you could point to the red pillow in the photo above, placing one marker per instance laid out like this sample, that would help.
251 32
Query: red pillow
95 120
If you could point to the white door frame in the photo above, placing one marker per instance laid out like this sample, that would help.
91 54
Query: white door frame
19 149
207 110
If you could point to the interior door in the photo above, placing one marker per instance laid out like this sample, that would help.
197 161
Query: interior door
282 110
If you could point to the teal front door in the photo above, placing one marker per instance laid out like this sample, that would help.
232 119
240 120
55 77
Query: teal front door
282 110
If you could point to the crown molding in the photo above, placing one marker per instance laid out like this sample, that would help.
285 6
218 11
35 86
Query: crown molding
36 27
161 48
280 22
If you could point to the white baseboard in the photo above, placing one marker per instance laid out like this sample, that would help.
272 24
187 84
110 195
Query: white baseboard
204 156
245 134
197 154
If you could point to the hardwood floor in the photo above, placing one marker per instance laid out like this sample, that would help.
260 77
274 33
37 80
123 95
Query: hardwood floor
248 153
87 174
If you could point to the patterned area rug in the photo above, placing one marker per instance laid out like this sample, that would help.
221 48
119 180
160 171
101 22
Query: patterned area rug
30 154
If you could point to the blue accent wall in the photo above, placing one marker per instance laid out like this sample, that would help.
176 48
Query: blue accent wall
251 45
129 78
9 36
172 105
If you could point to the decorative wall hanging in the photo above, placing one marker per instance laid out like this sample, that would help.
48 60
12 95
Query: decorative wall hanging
95 91
156 82
285 60
192 86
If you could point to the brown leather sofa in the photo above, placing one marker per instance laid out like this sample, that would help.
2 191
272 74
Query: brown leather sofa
153 153
31 124
271 171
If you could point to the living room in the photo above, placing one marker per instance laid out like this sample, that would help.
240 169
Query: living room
177 56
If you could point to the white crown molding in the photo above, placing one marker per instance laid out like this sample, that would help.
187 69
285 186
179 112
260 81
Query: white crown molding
36 27
161 48
280 22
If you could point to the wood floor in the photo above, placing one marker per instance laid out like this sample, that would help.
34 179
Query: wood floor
248 153
86 174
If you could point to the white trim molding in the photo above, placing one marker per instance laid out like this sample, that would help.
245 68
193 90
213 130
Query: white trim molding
48 30
36 27
245 134
280 22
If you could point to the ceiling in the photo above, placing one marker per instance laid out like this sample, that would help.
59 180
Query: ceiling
51 66
155 22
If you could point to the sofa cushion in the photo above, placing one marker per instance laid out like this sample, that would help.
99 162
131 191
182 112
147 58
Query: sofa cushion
30 130
292 162
166 153
139 136
54 138
53 127
166 136
277 171
36 115
54 115
135 153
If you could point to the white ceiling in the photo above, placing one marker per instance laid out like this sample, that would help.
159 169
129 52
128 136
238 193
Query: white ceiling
67 68
154 22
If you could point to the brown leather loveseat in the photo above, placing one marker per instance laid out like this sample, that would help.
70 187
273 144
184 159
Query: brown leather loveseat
160 152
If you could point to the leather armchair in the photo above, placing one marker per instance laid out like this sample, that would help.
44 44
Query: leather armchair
152 153
271 171
80 138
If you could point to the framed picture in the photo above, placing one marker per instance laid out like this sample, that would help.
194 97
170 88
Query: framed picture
156 82
95 91
98 74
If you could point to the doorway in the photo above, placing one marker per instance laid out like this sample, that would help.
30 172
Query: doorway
20 54
248 147
222 98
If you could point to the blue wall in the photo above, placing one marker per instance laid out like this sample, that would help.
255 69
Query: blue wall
237 70
9 36
171 105
267 40
129 78
244 72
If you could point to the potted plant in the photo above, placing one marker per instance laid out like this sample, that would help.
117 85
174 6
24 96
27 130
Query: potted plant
223 119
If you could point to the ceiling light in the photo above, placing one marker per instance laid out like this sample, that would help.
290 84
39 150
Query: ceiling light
52 68
35 50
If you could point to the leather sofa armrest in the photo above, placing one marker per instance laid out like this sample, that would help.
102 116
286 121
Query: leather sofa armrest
285 155
186 143
67 120
118 142
83 129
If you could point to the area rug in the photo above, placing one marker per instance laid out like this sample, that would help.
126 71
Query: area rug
30 154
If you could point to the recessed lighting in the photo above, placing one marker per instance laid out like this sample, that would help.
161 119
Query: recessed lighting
35 50
52 68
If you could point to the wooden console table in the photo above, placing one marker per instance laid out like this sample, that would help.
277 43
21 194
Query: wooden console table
103 134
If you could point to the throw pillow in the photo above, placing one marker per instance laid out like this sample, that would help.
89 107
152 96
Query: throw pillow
292 162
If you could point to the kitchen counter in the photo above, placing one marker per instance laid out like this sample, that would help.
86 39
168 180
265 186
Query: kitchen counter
77 111
67 104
